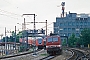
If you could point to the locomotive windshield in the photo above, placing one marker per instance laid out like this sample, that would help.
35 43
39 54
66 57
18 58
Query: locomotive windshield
55 39
49 39
39 41
52 39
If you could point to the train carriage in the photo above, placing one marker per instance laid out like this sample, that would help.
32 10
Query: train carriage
40 43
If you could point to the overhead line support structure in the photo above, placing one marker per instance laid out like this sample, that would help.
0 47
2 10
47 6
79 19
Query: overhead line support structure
15 39
37 22
34 32
34 19
34 28
41 22
5 43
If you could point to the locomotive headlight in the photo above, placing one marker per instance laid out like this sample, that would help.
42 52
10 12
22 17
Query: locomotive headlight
58 45
46 46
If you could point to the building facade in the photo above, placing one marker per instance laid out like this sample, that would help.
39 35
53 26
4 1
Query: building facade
71 23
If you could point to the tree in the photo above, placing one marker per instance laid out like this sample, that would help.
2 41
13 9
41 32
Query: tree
85 37
64 42
13 33
11 39
7 39
72 41
3 39
18 36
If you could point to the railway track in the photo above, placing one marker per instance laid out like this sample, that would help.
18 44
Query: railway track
76 54
15 55
48 57
86 57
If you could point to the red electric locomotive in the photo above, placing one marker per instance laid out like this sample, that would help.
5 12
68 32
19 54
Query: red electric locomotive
53 44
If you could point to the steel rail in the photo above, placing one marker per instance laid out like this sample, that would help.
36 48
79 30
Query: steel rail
85 57
48 57
76 54
15 55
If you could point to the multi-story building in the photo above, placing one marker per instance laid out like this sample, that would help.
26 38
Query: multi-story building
71 23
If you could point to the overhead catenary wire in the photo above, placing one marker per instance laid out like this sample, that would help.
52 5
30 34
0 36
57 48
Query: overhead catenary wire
8 16
13 5
16 7
47 25
3 11
10 13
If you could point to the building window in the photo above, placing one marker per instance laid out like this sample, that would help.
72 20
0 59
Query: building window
65 29
77 18
73 29
77 34
77 29
69 29
85 23
81 29
85 18
81 18
73 23
65 24
89 23
61 30
69 34
61 24
77 23
77 26
69 23
81 23
81 26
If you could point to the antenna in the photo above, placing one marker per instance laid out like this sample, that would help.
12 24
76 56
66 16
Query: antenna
63 4
63 8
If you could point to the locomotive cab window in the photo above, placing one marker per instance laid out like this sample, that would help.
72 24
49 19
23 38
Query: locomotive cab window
39 41
52 39
55 39
49 39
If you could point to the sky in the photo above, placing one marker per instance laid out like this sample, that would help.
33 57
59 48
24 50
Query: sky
11 12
